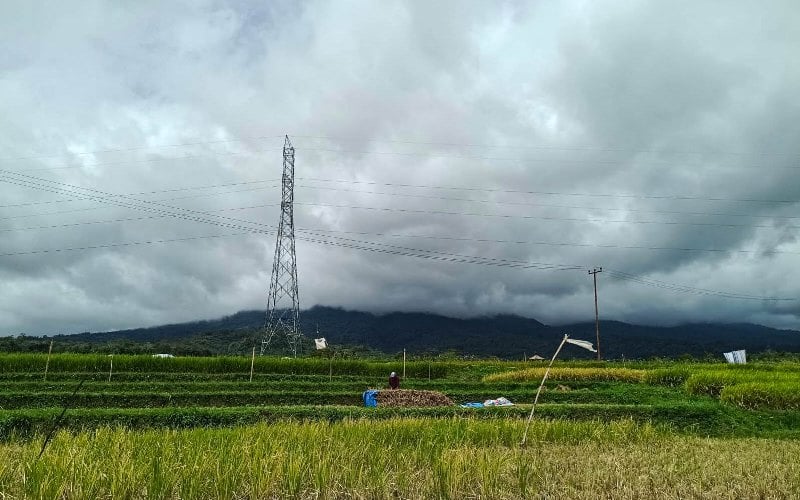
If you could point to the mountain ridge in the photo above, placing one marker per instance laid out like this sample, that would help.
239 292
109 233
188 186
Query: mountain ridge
501 335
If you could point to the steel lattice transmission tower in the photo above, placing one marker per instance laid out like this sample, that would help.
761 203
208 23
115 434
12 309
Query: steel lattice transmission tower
282 322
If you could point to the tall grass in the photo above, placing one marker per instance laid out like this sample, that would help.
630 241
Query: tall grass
712 382
780 396
753 386
407 458
92 363
559 373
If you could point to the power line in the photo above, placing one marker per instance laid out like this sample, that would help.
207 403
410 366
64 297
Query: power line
547 148
547 205
90 209
547 193
124 244
413 252
136 162
533 160
541 243
670 197
434 212
581 148
135 204
137 148
541 217
33 183
686 289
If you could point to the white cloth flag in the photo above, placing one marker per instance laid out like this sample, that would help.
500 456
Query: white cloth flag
582 343
321 343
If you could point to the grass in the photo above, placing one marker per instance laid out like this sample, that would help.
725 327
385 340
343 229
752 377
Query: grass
569 373
778 396
407 458
692 418
196 428
99 363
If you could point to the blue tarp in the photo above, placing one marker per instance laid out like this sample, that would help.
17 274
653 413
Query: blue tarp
472 405
370 398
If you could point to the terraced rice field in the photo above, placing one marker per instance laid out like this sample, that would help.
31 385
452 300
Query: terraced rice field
199 428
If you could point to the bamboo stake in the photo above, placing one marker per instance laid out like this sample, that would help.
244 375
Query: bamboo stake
47 364
252 363
404 364
111 369
330 366
539 391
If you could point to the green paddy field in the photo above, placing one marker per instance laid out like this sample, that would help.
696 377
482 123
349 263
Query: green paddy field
199 428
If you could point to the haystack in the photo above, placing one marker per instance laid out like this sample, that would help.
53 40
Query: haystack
412 398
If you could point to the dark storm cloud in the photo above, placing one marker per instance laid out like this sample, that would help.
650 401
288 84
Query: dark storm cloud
685 113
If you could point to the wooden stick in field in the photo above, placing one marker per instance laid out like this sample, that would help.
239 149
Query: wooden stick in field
252 363
330 366
58 419
539 391
47 364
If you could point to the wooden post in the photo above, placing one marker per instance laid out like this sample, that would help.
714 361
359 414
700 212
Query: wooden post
596 314
47 364
404 364
252 363
539 391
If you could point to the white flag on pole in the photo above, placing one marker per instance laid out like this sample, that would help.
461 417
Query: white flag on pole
582 343
321 343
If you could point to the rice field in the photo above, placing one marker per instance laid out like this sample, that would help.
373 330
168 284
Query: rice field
401 458
201 428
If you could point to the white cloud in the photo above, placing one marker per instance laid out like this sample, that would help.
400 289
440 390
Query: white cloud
686 111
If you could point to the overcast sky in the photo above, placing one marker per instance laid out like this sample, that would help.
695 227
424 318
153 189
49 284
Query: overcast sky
658 140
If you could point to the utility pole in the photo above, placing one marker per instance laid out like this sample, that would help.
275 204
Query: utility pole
283 303
594 272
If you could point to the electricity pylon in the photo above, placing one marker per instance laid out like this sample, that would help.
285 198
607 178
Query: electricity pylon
282 322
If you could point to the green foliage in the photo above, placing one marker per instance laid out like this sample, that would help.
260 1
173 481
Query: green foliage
220 364
672 377
557 373
712 382
753 396
215 391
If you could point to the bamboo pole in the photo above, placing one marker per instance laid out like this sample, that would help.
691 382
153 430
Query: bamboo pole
252 363
47 364
111 368
404 364
330 366
539 391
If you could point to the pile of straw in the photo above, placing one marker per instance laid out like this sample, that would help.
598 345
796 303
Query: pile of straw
412 398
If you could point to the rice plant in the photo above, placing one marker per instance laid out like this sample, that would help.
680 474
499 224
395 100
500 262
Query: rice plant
407 458
559 373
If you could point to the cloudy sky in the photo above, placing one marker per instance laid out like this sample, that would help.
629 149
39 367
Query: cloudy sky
464 158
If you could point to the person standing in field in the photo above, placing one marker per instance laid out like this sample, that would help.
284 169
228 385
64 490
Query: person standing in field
394 381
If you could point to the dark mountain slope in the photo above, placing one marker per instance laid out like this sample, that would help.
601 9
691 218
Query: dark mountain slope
502 335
